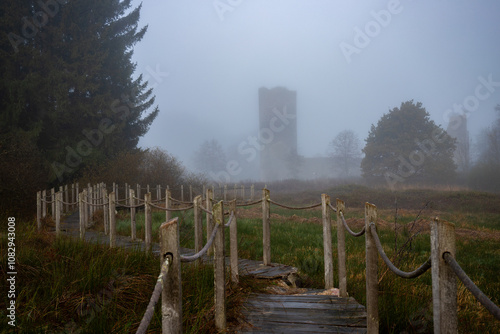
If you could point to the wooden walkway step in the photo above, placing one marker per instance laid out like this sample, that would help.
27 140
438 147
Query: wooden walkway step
305 313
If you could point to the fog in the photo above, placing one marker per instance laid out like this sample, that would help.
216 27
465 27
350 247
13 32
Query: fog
348 61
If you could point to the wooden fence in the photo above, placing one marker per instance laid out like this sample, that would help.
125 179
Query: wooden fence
444 267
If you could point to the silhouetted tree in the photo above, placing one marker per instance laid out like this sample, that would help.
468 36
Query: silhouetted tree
210 158
406 146
345 151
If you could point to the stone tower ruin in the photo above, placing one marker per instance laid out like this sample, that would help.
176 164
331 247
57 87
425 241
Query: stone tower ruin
278 133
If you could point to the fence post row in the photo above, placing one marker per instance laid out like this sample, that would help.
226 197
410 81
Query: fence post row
266 229
132 214
444 281
59 205
327 241
168 214
233 244
210 224
171 296
341 250
198 227
112 220
147 222
219 268
371 271
81 214
105 210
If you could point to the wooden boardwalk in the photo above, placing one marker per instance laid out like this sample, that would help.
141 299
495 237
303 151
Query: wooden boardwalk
312 311
309 312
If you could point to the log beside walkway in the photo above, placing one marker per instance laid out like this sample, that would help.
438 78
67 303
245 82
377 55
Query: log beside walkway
312 311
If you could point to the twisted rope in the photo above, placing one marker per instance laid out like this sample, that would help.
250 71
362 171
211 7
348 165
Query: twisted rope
296 208
169 209
480 296
331 207
130 206
417 272
148 314
84 201
249 204
206 210
230 219
354 234
179 201
202 252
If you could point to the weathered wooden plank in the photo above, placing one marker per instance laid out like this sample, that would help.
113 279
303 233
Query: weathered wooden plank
304 313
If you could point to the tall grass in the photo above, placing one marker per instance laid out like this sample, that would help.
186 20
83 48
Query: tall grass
65 285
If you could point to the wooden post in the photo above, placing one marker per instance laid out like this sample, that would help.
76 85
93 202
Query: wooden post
39 210
219 268
77 191
171 296
233 244
182 192
105 210
198 227
372 319
132 214
168 214
243 192
147 222
210 223
72 196
117 197
112 220
66 198
327 241
85 209
158 192
341 250
138 194
266 229
444 281
90 207
59 197
44 203
81 207
53 204
252 192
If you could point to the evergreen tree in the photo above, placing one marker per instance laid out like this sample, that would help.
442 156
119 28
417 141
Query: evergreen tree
406 146
68 83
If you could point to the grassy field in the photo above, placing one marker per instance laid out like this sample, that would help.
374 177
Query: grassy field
67 284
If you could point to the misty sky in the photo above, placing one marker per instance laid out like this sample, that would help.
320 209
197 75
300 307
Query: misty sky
349 61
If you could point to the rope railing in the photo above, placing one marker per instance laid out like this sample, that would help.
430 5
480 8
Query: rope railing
179 201
160 282
413 274
250 203
476 292
191 258
206 210
296 208
130 206
331 207
351 232
170 209
230 219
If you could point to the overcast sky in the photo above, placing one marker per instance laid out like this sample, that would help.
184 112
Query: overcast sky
349 62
